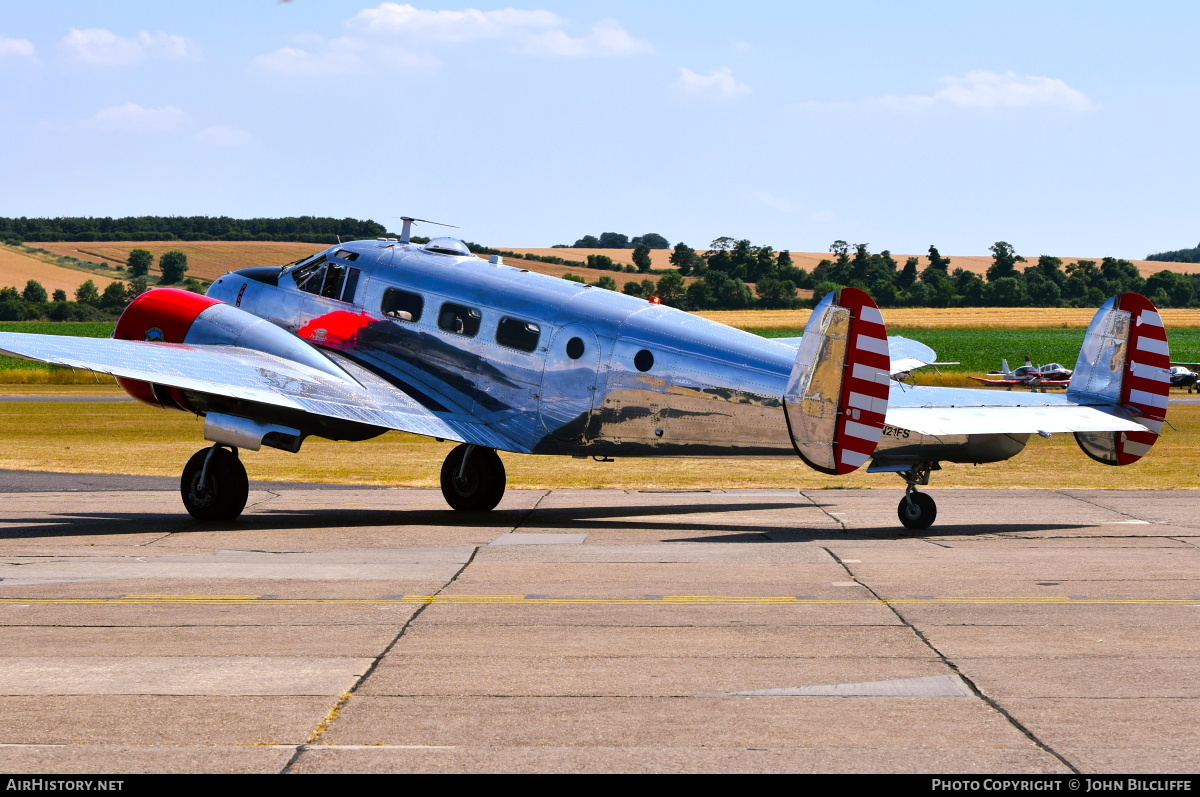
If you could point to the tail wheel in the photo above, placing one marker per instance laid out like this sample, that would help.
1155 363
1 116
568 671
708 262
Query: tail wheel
917 511
477 485
221 492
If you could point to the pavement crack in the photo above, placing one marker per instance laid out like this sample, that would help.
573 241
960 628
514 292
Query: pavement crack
946 660
345 697
841 523
271 495
530 511
1081 499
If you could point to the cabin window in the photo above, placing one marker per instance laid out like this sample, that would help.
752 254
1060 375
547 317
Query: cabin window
517 334
346 254
643 360
575 348
402 305
459 320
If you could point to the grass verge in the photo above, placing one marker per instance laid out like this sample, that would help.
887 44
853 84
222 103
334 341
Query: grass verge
135 439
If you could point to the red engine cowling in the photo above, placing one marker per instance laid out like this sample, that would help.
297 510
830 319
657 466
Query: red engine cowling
163 314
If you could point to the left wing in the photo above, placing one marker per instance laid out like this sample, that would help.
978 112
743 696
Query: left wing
259 377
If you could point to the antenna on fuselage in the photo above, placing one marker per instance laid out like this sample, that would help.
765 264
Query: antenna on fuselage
406 232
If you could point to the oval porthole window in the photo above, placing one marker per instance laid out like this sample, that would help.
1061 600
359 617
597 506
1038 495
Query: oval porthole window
575 348
643 360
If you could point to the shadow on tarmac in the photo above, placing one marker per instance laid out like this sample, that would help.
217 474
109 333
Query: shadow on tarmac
575 519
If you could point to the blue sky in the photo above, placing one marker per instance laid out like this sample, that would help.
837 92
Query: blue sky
1065 128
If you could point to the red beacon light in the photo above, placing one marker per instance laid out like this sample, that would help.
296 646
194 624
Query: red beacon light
655 300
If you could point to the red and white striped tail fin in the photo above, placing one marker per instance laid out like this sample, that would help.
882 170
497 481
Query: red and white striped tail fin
837 395
1126 361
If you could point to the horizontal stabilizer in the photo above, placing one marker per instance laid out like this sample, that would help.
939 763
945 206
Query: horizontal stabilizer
1049 419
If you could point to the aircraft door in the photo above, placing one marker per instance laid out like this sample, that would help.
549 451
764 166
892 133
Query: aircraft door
569 382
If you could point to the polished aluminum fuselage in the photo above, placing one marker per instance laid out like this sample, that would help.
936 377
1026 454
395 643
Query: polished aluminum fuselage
651 380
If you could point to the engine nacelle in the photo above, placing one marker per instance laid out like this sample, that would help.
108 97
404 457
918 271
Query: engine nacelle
171 315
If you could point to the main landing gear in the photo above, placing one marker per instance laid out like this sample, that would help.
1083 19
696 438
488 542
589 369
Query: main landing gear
214 484
917 511
473 478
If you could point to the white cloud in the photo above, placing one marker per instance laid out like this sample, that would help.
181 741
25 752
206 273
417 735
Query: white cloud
401 36
394 19
223 136
719 82
101 47
742 47
133 118
607 38
982 89
18 47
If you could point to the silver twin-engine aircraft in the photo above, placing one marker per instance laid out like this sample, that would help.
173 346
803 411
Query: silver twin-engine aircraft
372 336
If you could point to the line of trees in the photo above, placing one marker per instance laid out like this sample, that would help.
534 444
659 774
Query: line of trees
89 302
730 267
1010 281
1177 255
616 240
306 229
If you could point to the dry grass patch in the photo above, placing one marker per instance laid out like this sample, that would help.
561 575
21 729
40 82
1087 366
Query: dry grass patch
134 439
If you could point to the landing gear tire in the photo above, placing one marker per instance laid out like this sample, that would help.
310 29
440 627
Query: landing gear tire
219 494
476 486
917 511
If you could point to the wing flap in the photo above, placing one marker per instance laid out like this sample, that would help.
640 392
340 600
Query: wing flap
1050 419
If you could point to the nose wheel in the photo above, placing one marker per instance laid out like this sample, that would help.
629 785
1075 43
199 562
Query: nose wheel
214 485
473 479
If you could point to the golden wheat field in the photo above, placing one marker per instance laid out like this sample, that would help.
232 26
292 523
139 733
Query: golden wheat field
210 259
809 260
16 269
81 439
979 263
207 260
949 318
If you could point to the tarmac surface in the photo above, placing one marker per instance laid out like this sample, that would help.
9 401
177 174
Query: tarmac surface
362 630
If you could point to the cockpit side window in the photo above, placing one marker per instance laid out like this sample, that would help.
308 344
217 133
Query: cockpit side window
459 320
327 278
309 277
335 280
517 334
402 305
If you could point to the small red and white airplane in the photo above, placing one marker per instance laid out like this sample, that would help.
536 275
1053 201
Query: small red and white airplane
1028 375
371 336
